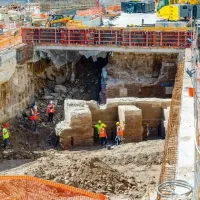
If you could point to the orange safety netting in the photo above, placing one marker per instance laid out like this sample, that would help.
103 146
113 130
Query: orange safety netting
8 39
88 12
114 8
32 188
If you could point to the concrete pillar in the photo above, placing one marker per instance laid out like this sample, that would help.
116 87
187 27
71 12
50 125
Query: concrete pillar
131 116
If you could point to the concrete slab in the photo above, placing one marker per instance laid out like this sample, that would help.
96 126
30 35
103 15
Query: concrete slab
109 49
185 167
135 19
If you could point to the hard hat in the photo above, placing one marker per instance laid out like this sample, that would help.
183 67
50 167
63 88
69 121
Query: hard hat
51 102
117 123
99 121
5 125
103 125
35 107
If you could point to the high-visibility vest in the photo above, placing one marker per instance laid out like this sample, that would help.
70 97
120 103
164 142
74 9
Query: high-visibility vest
50 108
5 133
102 133
119 130
33 114
98 126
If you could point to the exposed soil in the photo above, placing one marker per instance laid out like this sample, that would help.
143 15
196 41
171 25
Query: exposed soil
126 171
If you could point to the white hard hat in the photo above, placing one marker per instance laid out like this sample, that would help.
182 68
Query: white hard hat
51 101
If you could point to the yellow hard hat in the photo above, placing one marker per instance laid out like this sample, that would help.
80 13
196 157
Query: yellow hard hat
103 125
117 123
99 121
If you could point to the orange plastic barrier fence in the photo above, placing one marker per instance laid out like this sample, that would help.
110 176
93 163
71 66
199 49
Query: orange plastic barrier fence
45 16
88 12
124 37
114 8
9 39
31 188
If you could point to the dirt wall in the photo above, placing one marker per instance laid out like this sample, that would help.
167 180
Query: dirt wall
16 85
140 75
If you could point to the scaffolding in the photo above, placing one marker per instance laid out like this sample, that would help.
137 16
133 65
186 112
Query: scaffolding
169 161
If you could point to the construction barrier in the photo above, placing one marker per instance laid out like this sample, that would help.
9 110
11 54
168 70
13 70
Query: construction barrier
10 39
89 12
114 8
27 187
127 37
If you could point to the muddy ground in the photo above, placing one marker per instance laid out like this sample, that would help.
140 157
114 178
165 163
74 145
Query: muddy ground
124 172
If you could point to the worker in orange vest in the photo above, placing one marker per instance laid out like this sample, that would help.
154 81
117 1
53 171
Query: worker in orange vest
103 135
33 116
119 136
50 111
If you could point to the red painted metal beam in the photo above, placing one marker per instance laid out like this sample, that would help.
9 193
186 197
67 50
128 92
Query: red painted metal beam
106 37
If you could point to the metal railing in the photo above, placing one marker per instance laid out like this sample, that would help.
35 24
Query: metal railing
112 37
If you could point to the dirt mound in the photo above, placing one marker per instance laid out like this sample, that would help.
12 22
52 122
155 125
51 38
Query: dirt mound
124 172
18 154
93 173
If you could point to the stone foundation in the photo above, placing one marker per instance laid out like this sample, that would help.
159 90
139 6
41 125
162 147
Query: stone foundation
130 118
80 116
77 129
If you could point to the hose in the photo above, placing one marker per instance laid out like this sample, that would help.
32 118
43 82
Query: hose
167 189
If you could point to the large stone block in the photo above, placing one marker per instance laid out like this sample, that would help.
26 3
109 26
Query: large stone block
131 118
76 129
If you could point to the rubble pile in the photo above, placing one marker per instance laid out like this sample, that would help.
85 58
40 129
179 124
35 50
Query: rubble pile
119 172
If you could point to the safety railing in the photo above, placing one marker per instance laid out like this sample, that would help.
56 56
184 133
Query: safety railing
27 187
126 37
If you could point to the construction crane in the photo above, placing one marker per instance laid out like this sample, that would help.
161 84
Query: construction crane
177 10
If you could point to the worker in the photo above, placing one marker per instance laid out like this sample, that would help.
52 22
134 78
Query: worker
6 135
98 126
119 131
50 111
33 116
103 135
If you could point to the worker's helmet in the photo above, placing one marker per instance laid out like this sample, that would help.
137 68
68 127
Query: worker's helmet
5 125
103 125
117 123
99 122
51 102
35 107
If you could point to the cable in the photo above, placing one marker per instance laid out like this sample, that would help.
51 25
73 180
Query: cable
167 189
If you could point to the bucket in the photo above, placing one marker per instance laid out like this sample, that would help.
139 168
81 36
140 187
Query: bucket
108 146
191 92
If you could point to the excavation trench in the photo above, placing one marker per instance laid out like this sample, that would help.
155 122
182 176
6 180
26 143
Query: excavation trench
126 87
